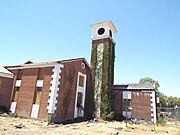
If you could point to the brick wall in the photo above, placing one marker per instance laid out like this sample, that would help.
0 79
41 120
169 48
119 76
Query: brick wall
27 90
117 103
65 107
43 113
141 105
67 92
5 91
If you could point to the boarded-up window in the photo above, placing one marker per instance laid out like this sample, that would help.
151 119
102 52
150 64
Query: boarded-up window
38 89
81 81
41 74
0 83
37 97
16 94
126 104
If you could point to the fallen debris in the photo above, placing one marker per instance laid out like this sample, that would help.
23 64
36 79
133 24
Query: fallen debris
19 126
4 114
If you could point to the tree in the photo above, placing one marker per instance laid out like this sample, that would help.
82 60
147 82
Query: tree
165 101
150 80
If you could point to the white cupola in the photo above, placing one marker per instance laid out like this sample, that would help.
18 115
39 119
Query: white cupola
103 30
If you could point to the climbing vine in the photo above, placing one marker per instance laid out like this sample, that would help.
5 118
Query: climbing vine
107 78
106 93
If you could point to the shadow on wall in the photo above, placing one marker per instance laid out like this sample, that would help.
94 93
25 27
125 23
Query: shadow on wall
3 109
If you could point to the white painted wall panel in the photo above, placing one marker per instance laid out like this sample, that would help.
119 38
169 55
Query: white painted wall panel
18 83
153 105
35 111
128 114
54 88
13 107
126 94
39 83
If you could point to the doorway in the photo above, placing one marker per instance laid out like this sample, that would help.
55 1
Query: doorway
80 95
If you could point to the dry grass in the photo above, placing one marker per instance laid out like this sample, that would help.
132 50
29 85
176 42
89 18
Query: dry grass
35 127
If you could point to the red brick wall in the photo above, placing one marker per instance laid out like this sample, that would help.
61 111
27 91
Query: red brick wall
141 105
27 89
43 113
15 72
28 86
67 89
5 91
89 100
117 103
67 92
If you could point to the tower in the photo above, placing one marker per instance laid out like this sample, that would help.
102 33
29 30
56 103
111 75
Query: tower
102 67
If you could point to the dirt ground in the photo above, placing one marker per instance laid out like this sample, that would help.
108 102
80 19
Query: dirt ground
21 126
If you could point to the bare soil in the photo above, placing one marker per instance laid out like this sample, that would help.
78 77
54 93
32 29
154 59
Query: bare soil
21 126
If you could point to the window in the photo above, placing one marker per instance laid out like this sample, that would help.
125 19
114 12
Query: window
110 33
101 31
126 104
17 88
79 100
38 89
16 94
83 66
37 95
0 83
81 81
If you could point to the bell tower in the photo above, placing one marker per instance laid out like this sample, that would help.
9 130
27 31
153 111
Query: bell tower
102 67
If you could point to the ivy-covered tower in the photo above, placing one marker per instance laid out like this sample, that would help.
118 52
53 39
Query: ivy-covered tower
102 67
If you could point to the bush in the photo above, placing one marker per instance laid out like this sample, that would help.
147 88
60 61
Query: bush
161 120
108 116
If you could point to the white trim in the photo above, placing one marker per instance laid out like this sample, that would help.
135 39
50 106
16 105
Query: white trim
6 75
28 66
127 94
54 88
46 64
39 83
83 91
13 107
153 106
18 83
83 66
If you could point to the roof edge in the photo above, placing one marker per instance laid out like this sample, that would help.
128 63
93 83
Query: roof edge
45 64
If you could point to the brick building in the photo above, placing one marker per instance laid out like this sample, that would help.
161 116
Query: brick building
53 91
135 100
67 89
6 79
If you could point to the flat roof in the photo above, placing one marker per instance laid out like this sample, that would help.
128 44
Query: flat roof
135 86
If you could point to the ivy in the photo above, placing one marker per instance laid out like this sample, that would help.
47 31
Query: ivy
107 79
